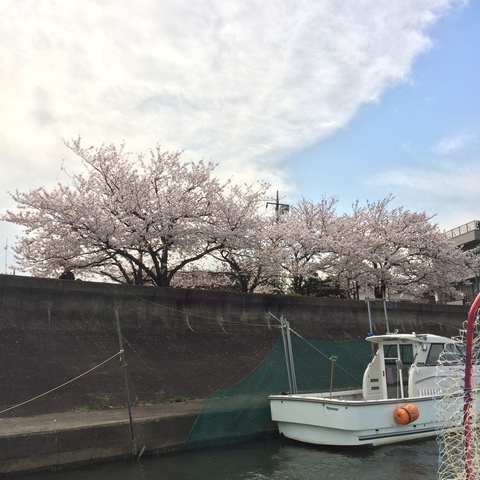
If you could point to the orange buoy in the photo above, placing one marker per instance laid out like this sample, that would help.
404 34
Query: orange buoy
406 414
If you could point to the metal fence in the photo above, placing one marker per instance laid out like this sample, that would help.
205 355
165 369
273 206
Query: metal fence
468 227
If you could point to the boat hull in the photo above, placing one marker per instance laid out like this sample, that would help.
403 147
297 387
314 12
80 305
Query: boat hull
325 421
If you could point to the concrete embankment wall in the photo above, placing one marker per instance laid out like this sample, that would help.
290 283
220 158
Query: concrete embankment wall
184 343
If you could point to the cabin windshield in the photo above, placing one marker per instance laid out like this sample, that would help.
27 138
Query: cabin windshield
449 353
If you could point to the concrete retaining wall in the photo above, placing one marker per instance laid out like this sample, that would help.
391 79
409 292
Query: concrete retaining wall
180 342
184 343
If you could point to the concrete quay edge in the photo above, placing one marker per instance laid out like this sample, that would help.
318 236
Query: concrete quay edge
72 439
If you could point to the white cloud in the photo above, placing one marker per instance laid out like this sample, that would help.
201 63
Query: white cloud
243 83
455 143
440 184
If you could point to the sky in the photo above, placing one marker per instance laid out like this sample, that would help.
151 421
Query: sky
339 98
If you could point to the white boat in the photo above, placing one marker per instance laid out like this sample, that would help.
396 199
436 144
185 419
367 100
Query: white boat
399 384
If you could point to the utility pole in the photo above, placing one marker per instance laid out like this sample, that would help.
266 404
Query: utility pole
280 208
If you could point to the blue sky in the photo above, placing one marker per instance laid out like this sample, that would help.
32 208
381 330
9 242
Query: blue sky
356 100
419 141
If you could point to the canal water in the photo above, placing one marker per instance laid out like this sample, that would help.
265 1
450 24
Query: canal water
277 459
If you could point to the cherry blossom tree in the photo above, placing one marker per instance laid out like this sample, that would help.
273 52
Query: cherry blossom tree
254 265
298 244
136 221
284 251
142 220
311 235
311 251
240 258
398 250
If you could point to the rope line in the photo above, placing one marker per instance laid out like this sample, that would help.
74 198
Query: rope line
321 353
118 354
213 321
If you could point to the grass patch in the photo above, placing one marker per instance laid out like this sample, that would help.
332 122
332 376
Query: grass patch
104 404
159 397
81 408
179 399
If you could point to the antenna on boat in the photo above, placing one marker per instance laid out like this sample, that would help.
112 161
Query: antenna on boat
370 328
386 314
369 299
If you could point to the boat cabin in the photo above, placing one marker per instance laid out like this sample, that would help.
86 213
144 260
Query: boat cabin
404 365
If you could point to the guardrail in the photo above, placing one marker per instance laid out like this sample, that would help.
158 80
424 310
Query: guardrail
468 227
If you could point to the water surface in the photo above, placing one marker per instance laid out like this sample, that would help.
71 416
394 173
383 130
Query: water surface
277 459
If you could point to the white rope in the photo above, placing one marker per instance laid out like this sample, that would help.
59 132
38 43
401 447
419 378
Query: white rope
119 354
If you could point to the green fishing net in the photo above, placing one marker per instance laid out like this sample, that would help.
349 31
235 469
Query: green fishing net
241 412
